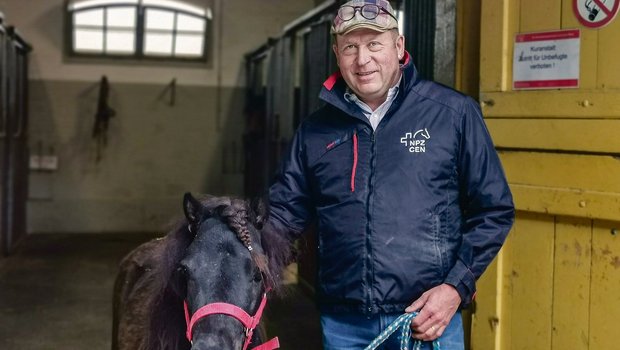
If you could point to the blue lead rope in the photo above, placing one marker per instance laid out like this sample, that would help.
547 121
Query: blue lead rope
404 322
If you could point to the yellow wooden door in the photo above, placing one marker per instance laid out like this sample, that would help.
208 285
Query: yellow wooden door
556 282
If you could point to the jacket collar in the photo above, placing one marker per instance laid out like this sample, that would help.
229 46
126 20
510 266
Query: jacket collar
334 88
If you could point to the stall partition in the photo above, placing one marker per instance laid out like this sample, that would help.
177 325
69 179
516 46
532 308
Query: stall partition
14 51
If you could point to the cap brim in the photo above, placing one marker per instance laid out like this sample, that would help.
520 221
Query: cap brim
365 26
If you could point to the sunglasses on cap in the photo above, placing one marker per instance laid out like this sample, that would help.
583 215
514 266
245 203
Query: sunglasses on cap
368 11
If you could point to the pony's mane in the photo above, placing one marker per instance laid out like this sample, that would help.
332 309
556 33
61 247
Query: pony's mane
167 320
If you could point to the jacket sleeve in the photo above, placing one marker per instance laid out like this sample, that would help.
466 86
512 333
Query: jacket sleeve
486 203
289 195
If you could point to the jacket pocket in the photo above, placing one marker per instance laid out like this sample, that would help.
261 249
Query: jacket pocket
439 243
336 163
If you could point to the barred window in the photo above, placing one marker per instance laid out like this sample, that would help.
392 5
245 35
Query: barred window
138 28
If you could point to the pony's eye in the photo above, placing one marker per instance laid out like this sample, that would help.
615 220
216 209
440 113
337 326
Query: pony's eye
182 271
179 279
258 276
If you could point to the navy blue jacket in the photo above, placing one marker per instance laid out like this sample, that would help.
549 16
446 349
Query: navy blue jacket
421 201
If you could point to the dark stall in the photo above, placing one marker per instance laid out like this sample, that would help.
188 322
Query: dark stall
13 137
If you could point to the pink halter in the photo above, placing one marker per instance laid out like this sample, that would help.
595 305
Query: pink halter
249 322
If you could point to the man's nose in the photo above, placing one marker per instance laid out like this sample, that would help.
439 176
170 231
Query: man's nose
363 56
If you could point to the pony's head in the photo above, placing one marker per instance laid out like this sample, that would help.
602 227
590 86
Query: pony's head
224 265
220 253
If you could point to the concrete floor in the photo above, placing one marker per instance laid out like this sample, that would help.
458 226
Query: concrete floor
56 293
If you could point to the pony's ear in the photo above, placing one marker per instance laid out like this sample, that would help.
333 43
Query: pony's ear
259 207
192 208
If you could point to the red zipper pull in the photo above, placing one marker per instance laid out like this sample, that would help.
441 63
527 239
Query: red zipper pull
354 161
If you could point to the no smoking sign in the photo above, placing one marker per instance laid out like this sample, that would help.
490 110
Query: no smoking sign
595 13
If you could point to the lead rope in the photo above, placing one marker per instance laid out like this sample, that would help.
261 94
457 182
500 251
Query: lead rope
404 322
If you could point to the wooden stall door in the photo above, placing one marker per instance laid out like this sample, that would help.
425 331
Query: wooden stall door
555 284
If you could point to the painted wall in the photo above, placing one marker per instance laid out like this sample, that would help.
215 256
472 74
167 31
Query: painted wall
155 151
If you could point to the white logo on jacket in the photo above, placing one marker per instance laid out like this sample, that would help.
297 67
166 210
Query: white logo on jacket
416 142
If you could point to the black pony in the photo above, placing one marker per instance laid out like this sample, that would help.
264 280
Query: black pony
221 253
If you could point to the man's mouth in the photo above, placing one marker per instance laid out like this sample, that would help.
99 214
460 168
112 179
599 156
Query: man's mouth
362 74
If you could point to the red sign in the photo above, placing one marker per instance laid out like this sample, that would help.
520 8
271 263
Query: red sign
554 35
595 13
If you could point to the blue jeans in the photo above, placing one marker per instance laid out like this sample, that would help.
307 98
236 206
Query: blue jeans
356 331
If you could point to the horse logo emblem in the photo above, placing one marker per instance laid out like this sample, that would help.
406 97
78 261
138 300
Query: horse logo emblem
416 142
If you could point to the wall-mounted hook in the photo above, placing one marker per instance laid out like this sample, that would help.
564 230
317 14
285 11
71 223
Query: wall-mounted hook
102 117
173 91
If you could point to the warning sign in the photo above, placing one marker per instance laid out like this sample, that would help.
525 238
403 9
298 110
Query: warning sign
546 60
595 13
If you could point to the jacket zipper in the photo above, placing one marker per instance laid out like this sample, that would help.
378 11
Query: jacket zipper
369 265
354 161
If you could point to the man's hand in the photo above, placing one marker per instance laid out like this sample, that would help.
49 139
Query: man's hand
437 306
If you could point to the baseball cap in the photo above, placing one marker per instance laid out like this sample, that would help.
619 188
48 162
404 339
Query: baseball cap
377 15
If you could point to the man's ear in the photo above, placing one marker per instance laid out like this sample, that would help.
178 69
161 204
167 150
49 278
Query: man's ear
400 44
194 211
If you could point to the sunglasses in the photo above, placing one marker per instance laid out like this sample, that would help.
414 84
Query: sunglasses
368 11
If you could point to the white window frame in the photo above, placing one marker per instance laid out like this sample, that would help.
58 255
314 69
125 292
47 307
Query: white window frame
177 9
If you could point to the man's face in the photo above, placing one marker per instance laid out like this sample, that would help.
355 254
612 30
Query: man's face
369 62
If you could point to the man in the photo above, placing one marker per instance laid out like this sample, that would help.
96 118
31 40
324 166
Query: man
411 201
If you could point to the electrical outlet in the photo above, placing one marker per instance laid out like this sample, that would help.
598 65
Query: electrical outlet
49 162
35 162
